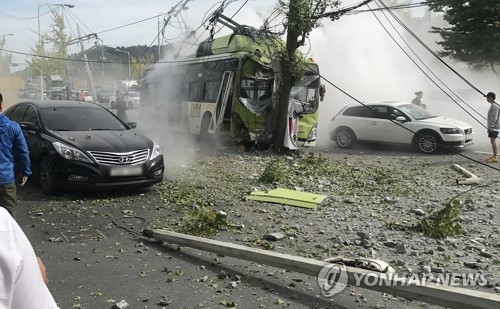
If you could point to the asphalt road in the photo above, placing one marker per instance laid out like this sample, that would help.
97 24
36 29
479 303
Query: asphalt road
93 262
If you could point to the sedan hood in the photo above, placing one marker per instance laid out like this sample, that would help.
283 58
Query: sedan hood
447 122
106 141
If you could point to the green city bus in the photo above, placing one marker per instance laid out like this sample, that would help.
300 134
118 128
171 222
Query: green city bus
226 89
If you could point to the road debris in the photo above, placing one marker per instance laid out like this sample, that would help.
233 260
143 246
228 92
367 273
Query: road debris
287 197
471 178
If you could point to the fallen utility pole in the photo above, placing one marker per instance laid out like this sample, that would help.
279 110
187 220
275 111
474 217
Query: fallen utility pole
471 180
450 297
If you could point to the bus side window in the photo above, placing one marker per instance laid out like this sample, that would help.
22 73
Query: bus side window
211 90
194 91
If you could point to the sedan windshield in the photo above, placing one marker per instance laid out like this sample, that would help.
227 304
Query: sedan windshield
80 119
415 111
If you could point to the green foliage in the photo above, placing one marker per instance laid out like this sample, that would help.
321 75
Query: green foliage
301 13
443 223
351 180
54 45
474 32
273 172
296 64
205 222
180 196
440 224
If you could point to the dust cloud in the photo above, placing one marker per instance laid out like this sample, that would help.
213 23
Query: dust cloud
159 115
357 55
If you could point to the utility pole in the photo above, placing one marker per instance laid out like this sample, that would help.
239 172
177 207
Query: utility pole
87 67
292 44
159 47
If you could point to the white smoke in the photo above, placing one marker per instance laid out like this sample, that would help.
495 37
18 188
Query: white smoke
356 54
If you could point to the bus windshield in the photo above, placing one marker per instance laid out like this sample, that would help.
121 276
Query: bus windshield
256 94
307 92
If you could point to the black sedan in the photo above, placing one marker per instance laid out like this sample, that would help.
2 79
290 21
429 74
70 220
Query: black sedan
80 145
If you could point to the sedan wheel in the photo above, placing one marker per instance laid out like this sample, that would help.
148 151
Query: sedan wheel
345 138
428 143
46 176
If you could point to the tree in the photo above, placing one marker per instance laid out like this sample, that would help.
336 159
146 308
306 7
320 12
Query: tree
52 60
5 60
301 20
474 32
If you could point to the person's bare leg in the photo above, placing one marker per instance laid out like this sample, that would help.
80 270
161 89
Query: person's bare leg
494 146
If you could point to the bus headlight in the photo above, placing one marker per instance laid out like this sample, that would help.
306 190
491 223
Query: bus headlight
312 135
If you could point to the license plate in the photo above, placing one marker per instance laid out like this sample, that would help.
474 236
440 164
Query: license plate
125 171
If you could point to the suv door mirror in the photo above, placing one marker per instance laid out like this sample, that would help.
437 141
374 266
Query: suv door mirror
28 126
132 125
401 119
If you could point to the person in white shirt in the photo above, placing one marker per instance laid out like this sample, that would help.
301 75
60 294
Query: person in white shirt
493 125
22 274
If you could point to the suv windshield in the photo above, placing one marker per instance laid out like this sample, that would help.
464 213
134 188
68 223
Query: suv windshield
80 119
415 111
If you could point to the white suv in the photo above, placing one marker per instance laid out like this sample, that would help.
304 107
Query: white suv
398 123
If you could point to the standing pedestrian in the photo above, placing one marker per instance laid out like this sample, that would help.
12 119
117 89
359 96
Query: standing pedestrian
121 106
12 146
493 125
418 99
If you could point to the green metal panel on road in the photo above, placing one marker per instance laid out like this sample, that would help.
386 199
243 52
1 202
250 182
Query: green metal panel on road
288 197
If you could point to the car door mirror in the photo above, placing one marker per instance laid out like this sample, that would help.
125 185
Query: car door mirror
29 126
401 119
132 125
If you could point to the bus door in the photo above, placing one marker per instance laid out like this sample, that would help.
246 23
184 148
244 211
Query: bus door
222 98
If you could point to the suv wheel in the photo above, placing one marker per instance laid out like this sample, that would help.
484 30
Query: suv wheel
345 138
427 142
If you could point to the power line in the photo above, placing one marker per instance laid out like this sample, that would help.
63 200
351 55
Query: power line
407 129
433 53
130 24
430 78
2 12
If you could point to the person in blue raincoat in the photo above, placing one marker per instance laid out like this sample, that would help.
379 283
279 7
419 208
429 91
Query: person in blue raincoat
12 146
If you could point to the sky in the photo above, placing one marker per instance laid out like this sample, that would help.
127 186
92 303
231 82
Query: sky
20 18
354 53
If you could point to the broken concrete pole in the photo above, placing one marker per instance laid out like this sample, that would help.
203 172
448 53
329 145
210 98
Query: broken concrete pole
471 180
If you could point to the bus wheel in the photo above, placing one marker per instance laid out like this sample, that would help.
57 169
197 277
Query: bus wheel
240 148
206 139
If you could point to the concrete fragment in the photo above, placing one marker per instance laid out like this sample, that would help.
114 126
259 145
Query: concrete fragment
401 248
485 254
122 304
419 212
274 236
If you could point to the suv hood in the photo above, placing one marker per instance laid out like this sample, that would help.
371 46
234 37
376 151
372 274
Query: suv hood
446 122
107 141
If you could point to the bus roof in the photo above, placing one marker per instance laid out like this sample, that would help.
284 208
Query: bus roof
230 44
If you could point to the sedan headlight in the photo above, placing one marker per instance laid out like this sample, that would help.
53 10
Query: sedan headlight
156 151
450 130
70 153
